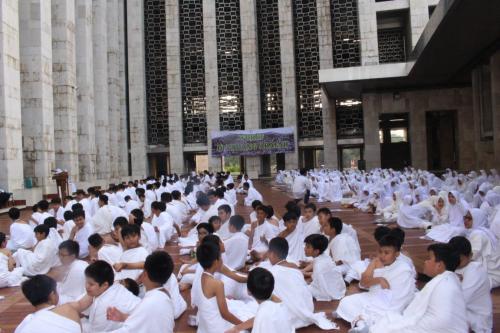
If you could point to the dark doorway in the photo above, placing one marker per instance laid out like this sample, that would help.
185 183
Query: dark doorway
394 140
349 157
270 164
159 164
311 157
441 139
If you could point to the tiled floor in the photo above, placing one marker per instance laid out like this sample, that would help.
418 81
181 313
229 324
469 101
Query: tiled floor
14 307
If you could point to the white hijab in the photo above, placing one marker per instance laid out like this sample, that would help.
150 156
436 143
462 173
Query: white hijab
479 222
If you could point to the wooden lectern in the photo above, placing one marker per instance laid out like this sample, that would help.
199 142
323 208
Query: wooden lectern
62 184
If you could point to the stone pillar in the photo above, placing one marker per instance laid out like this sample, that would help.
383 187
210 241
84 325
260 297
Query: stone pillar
495 103
251 85
368 32
137 87
102 119
64 78
211 79
11 148
372 103
176 141
85 91
326 62
36 91
112 18
419 16
285 13
123 143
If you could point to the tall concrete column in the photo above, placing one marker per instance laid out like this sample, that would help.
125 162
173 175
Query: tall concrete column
176 141
64 79
85 91
371 104
36 91
101 104
287 47
325 62
368 32
11 148
137 87
211 78
113 85
123 137
419 16
495 103
251 85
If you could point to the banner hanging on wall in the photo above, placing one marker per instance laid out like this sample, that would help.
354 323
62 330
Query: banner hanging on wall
253 142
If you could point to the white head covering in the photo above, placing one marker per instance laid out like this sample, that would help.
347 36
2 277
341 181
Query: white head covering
479 222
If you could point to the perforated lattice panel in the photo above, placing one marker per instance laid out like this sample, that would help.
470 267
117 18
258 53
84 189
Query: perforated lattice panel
270 64
349 119
345 33
156 71
229 64
194 112
310 123
391 45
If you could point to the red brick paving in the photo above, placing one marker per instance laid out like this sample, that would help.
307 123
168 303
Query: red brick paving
14 307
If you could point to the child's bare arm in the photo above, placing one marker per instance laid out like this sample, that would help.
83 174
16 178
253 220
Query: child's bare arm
221 303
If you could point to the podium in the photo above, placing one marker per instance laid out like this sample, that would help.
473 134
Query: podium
62 184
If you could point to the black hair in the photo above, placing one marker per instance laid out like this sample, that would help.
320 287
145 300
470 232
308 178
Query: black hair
159 267
445 254
324 210
380 232
38 289
317 241
390 241
42 229
78 213
279 246
203 200
212 238
207 226
77 206
14 213
166 197
139 216
310 206
461 245
68 215
246 185
50 222
260 283
127 198
237 221
71 246
292 206
289 216
176 195
256 203
3 237
43 204
130 230
158 205
100 271
212 219
335 223
103 198
225 208
207 253
398 232
95 240
55 200
131 286
120 221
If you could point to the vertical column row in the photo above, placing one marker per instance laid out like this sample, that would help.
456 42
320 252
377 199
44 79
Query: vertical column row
11 149
36 90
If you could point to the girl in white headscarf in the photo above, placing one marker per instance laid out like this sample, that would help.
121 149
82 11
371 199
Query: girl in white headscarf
439 208
484 244
456 210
